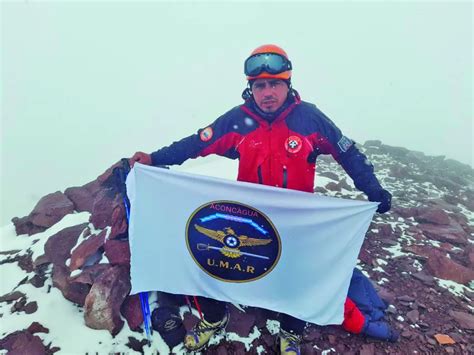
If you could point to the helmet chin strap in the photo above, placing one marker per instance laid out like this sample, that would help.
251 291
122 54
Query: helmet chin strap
247 93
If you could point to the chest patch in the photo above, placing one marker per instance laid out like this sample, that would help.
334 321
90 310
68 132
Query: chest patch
293 144
206 134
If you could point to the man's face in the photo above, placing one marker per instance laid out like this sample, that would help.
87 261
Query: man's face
269 94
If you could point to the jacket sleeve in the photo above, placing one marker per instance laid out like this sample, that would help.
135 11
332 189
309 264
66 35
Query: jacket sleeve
344 151
217 138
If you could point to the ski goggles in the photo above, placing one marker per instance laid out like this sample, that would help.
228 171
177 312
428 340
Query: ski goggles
271 63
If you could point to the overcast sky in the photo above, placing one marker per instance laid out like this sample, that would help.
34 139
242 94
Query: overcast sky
87 83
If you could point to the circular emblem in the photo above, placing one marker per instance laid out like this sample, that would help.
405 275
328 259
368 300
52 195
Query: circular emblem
232 242
293 144
206 134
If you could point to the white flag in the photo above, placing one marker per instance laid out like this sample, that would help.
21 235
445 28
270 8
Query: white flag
279 249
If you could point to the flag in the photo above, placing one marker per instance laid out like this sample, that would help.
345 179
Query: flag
284 250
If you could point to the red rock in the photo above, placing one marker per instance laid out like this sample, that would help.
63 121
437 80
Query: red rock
83 196
106 175
240 322
423 277
465 320
413 316
12 296
73 291
87 248
445 268
119 221
30 307
406 212
365 256
51 209
90 273
23 225
367 349
21 343
385 230
102 208
132 311
433 216
117 251
36 327
452 233
189 320
58 247
103 303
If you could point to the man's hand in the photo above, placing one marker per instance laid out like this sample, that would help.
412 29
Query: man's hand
382 196
140 157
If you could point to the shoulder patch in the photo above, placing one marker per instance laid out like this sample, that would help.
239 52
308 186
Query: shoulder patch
206 134
344 143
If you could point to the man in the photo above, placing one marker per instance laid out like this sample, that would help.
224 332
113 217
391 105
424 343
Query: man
277 138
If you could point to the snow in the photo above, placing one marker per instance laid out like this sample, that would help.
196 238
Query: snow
64 319
455 288
273 326
10 275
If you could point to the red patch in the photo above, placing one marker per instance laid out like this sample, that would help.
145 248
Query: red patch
293 144
206 134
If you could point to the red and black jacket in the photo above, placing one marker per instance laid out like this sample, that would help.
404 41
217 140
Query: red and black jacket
281 152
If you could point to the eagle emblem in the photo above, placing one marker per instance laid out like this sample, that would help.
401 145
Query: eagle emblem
231 241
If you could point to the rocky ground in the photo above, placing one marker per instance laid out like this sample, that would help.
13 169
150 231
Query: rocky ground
67 271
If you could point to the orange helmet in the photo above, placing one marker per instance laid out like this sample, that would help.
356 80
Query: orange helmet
268 61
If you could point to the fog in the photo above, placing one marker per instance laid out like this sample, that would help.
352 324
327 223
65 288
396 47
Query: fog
87 83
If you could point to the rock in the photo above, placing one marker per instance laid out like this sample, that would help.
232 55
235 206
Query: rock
132 311
24 225
103 303
434 216
58 247
86 249
90 273
330 175
406 298
444 339
83 196
465 320
367 349
73 291
117 251
103 207
12 296
373 143
51 209
36 327
413 316
452 233
423 277
22 342
30 307
332 186
136 345
189 320
445 268
119 222
240 322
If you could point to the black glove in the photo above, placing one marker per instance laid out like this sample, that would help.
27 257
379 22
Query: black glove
382 196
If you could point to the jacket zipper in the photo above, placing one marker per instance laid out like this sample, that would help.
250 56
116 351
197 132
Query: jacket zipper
285 177
259 173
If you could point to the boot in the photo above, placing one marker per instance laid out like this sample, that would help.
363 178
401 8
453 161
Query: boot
289 343
199 336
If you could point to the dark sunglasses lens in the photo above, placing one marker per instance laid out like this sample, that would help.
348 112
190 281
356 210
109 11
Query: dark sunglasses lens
270 63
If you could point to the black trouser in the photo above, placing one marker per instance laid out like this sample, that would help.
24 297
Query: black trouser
214 311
